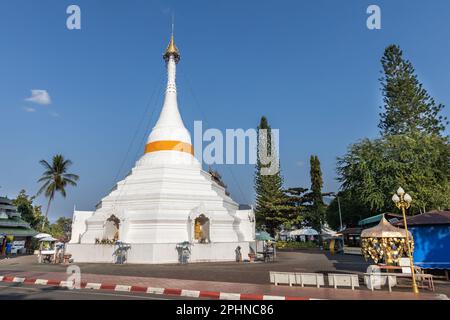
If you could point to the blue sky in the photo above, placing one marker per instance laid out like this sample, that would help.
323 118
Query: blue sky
311 67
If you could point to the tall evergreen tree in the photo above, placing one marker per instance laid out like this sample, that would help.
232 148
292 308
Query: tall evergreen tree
272 208
407 105
316 215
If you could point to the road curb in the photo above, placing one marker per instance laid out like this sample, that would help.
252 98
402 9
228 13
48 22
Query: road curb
150 290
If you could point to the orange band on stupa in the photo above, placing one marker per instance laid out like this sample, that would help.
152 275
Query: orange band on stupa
169 145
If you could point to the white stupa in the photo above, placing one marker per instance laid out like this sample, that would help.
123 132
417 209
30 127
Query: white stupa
167 199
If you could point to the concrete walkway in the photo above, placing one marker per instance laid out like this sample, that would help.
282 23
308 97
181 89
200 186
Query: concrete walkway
227 287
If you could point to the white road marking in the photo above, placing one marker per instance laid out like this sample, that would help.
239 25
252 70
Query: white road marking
155 290
92 285
265 297
41 282
229 296
83 292
122 288
190 293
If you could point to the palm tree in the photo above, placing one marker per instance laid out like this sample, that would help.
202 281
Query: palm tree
55 179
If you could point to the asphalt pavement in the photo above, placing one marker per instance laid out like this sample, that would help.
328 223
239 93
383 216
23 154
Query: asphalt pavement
14 291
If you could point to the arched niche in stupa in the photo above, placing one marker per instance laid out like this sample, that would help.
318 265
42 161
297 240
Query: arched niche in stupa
199 225
201 229
111 228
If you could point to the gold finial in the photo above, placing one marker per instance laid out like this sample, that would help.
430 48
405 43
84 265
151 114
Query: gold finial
172 50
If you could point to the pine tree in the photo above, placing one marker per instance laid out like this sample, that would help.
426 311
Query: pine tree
317 212
407 105
272 208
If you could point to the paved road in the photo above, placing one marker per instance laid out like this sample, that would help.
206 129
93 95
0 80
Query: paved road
257 273
14 291
230 272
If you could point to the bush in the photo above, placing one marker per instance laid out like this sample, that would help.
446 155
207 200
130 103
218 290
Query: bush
295 245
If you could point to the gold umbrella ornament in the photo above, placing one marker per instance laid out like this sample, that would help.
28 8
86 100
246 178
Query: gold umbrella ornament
385 242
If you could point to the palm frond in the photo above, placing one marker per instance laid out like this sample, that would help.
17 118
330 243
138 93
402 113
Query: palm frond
71 176
45 178
44 186
71 182
46 165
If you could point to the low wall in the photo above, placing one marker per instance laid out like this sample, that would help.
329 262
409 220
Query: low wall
157 253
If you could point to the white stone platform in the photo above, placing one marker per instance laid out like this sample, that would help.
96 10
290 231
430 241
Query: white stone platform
157 253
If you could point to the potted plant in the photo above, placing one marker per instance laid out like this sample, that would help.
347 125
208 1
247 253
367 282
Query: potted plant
252 255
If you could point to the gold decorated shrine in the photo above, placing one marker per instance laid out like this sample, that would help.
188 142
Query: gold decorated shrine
385 242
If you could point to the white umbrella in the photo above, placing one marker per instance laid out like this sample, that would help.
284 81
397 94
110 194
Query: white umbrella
42 235
48 239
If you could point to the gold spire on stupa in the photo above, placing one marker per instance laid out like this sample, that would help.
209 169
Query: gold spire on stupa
172 50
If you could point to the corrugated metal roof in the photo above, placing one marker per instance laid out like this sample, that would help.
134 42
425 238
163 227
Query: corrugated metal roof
18 232
429 218
374 219
14 222
351 231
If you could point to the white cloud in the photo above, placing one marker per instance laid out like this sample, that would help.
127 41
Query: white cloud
54 114
40 97
29 109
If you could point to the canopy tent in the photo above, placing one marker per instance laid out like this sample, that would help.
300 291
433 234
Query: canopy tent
284 233
328 233
307 231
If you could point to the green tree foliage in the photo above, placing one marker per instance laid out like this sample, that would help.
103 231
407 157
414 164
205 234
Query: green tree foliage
407 105
297 199
272 205
55 179
62 229
33 215
410 152
372 170
352 211
29 212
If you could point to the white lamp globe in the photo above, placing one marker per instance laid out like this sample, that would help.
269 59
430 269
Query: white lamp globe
407 198
395 198
400 191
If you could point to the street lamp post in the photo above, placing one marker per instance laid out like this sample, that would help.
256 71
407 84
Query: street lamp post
340 213
403 201
333 194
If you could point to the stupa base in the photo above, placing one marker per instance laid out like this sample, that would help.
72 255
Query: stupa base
158 253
